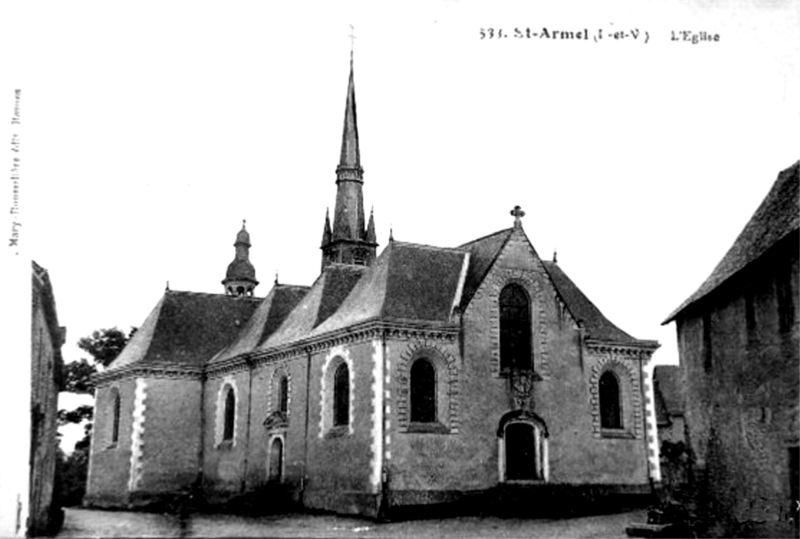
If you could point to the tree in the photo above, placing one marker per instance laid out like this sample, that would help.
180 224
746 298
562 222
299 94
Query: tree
104 346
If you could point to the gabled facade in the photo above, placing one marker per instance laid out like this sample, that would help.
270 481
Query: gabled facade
420 376
739 342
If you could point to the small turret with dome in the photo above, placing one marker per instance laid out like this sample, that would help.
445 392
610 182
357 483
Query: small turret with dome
240 279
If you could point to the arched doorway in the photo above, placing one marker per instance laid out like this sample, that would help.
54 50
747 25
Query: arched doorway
276 461
522 447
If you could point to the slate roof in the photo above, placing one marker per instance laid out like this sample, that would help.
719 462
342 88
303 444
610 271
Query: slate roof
596 325
267 318
668 388
186 328
408 282
321 301
777 216
483 253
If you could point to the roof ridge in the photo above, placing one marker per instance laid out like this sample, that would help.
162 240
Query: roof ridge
281 285
428 246
193 293
486 237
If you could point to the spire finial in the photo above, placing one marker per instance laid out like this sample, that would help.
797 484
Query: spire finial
276 277
555 256
352 37
167 288
244 222
391 232
518 215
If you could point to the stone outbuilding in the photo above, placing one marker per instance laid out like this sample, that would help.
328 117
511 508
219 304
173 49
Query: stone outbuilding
44 514
739 346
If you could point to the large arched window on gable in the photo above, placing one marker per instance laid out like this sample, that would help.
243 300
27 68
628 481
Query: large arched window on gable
423 392
115 410
610 409
229 417
341 396
515 328
283 394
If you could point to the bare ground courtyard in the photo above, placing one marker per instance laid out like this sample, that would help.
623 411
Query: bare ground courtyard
90 523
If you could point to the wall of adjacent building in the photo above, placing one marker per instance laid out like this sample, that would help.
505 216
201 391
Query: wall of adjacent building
46 365
742 400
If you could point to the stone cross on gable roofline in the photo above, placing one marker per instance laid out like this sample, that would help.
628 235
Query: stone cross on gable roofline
518 215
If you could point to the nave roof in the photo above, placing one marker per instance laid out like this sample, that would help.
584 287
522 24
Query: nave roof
186 328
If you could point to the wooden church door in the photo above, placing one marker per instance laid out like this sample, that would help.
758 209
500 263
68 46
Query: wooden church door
520 452
276 461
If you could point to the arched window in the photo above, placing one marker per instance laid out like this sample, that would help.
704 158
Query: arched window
423 392
341 396
230 415
610 409
283 394
115 409
515 328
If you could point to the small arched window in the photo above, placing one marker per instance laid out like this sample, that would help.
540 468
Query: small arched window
230 415
610 409
341 396
423 392
115 409
515 328
283 394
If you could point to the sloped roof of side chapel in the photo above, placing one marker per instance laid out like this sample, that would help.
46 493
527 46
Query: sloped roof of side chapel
320 302
267 318
186 328
408 282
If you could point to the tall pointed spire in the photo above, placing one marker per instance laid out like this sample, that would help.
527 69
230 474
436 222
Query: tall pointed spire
348 242
350 158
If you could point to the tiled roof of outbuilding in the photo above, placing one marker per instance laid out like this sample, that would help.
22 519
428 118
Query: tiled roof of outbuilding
267 318
187 328
596 325
777 216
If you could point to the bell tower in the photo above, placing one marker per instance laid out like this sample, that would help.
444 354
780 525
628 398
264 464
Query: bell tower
349 241
240 279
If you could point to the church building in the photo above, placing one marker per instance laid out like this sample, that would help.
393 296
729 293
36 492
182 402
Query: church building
415 376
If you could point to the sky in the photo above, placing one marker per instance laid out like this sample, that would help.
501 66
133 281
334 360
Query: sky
150 130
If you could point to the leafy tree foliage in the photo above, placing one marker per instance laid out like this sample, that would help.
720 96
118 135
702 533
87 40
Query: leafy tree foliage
77 377
105 345
78 415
